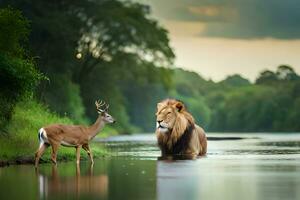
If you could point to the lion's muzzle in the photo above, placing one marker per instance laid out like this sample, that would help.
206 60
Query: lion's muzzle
163 127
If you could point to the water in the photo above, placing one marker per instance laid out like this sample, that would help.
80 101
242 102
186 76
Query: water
250 166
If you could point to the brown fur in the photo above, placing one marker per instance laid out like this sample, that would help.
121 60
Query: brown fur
182 135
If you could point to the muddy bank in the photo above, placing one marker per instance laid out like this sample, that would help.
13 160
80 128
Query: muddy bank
18 161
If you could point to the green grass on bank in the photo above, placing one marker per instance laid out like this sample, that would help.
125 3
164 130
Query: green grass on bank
21 140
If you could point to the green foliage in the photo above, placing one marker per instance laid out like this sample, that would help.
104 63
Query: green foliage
14 29
142 89
235 80
122 27
141 103
18 80
64 96
189 88
284 73
235 104
247 114
101 85
18 77
292 121
200 111
267 77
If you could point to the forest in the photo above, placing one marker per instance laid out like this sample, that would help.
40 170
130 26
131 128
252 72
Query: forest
58 57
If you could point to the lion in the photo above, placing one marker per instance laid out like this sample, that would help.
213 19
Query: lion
176 131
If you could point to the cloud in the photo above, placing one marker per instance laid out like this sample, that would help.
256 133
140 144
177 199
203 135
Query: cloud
240 19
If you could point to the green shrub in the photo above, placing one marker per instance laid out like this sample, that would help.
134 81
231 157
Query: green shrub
18 80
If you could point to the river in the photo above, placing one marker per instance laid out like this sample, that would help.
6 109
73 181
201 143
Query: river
237 166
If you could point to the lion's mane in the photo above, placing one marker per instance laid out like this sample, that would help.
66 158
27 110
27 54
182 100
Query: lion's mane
178 139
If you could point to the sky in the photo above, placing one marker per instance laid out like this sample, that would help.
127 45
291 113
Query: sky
217 38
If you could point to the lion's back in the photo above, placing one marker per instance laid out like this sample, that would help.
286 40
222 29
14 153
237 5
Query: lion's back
202 139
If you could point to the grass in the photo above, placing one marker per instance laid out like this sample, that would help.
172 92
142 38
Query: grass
21 140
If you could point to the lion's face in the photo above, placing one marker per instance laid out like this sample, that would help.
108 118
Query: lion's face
166 117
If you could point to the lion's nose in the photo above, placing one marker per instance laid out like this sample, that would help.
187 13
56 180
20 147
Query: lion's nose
158 121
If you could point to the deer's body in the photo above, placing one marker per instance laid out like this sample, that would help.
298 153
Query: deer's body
71 136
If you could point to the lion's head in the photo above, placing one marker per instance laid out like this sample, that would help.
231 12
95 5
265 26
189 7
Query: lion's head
172 119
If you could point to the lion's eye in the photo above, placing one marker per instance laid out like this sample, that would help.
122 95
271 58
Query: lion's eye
168 113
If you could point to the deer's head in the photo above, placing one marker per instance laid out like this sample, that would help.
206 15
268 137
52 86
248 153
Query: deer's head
102 109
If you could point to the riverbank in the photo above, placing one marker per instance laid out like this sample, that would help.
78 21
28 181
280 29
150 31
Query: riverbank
64 155
19 141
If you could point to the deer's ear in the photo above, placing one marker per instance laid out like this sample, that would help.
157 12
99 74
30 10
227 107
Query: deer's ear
179 106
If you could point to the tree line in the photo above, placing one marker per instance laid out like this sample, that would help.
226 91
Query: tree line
271 104
67 54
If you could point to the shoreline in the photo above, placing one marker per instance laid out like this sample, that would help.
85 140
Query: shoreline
18 161
31 161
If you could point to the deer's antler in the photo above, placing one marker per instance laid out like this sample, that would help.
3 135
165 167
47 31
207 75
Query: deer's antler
106 108
99 104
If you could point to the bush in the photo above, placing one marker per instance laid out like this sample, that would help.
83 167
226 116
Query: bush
18 79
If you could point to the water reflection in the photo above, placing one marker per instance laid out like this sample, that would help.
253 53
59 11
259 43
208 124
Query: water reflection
174 181
179 157
110 178
242 178
55 186
281 143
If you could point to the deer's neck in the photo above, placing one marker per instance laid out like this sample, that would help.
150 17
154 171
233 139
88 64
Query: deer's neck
96 127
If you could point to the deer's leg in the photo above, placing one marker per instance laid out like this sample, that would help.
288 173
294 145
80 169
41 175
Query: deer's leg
78 154
54 153
39 153
86 147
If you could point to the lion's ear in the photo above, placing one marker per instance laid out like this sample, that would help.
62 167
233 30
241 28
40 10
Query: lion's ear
179 106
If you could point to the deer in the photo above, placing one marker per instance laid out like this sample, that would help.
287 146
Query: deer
77 136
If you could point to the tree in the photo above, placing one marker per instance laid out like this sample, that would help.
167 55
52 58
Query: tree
18 76
292 122
266 77
286 73
235 80
283 73
114 28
